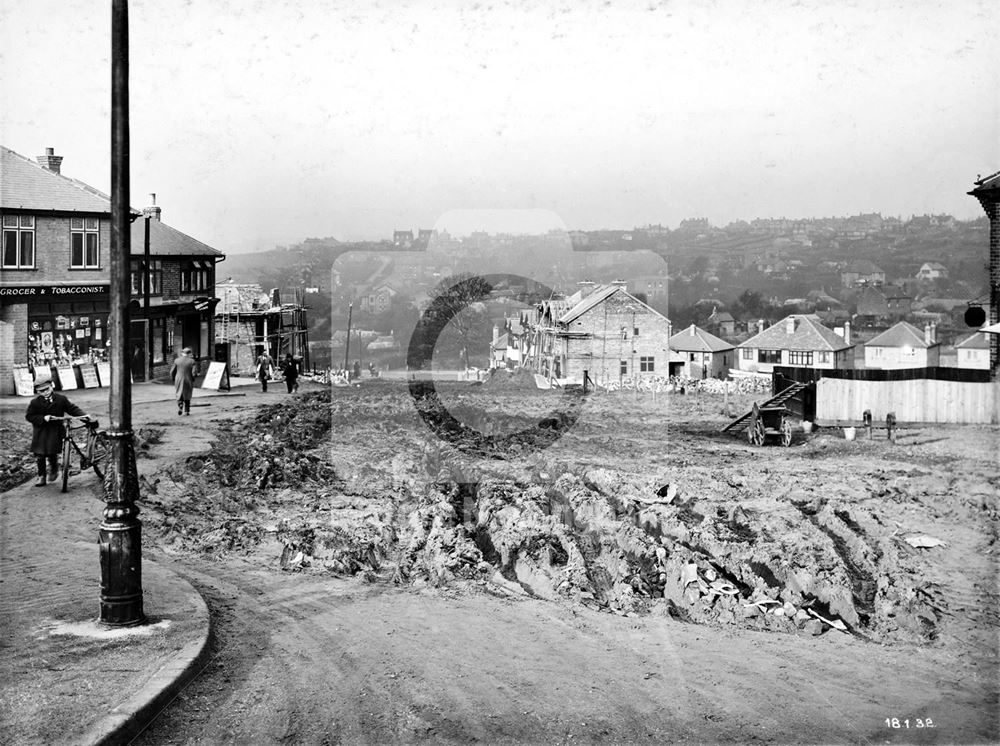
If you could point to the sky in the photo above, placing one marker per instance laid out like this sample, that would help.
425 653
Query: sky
264 123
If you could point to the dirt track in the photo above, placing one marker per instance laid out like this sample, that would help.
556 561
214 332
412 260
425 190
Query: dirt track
330 649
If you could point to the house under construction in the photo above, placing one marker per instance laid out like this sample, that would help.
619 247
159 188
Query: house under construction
249 320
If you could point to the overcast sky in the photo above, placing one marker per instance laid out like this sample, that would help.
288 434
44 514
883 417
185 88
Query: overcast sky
259 123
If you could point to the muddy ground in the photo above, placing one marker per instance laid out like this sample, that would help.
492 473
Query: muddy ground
521 566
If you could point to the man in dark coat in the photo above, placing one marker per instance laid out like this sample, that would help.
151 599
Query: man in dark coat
45 413
290 368
182 373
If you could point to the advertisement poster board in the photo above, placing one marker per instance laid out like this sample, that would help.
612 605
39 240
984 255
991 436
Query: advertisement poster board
24 383
88 373
104 373
67 377
217 377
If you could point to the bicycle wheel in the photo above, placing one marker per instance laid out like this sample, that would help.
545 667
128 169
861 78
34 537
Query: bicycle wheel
100 450
67 452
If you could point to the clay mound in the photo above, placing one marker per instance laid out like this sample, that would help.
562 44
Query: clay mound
518 379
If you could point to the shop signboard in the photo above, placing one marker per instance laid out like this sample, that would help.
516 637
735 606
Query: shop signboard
217 377
24 382
88 373
104 373
67 377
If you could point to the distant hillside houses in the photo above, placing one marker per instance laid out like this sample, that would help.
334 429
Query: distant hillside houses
863 272
932 271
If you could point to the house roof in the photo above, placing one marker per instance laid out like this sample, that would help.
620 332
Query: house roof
240 298
25 185
808 334
864 267
990 183
694 339
932 265
977 341
596 297
901 334
167 241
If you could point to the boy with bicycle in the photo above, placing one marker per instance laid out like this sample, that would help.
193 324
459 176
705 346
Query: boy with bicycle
45 413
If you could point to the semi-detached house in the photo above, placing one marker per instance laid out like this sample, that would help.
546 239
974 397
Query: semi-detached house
799 340
55 277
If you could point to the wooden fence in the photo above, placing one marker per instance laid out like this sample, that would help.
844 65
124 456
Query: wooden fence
914 400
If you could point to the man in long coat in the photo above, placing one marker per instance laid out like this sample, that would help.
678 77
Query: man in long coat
182 373
45 413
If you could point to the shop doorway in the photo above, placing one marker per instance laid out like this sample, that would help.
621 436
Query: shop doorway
137 350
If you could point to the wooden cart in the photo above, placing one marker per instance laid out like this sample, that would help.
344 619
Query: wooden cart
769 421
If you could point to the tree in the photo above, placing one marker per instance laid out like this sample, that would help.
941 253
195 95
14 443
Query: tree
456 323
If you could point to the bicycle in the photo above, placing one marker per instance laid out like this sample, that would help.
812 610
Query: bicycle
93 453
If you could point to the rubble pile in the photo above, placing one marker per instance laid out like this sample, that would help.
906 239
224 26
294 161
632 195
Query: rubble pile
745 547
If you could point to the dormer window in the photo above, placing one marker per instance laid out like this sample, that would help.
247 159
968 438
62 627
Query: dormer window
18 242
84 243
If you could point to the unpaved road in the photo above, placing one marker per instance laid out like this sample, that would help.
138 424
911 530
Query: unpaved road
308 658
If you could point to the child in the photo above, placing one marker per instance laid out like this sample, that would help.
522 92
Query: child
45 413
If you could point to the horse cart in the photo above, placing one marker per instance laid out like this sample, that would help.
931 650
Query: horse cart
771 422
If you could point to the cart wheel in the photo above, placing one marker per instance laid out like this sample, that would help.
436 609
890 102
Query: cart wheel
66 454
100 454
786 432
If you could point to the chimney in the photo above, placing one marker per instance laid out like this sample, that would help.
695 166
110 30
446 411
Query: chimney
760 326
691 330
586 288
496 334
847 332
152 211
790 325
50 161
928 334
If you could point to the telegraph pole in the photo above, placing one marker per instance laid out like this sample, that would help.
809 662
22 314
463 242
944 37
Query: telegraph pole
121 532
347 342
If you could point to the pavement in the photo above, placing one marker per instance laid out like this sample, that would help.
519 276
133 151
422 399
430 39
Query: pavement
64 677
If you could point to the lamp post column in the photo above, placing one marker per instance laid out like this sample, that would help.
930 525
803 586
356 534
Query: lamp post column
120 533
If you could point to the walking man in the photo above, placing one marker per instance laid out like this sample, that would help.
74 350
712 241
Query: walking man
264 365
183 373
45 413
291 371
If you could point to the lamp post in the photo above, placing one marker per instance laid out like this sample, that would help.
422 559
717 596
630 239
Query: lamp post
120 534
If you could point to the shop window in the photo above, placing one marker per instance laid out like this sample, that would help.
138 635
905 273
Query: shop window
85 242
18 242
646 364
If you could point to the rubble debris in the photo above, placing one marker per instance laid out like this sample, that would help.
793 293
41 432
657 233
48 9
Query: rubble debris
923 542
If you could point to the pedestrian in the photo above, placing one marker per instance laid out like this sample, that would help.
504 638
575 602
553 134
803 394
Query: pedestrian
45 413
182 373
291 371
265 366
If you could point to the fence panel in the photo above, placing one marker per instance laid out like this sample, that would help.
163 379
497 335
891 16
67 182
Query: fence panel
913 400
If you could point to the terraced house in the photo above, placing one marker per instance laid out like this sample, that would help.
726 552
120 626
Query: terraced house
55 278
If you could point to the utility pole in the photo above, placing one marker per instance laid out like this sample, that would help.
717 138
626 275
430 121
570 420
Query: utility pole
120 533
347 343
146 278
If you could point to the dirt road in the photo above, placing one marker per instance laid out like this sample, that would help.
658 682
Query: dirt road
321 637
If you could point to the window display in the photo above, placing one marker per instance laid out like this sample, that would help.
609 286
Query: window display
66 334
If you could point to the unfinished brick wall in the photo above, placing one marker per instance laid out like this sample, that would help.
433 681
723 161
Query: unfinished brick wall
990 200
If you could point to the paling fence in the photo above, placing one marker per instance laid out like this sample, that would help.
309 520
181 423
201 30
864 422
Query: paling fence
915 395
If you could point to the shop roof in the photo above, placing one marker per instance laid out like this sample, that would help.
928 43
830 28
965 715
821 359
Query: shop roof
25 185
167 241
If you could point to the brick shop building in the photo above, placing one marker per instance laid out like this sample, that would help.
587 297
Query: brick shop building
55 278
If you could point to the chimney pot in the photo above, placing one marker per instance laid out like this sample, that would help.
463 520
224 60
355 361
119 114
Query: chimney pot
50 161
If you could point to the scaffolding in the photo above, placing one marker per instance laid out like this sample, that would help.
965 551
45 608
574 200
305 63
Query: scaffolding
249 320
